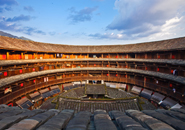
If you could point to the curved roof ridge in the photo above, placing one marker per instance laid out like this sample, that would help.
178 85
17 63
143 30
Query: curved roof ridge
25 45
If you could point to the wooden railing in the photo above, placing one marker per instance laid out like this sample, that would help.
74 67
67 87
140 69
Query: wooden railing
18 71
23 91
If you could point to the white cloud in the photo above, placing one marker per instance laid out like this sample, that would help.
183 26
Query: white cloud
81 15
144 18
172 28
108 36
171 23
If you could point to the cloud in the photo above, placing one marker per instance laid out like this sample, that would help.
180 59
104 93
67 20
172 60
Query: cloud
7 26
8 8
82 15
142 18
52 33
28 8
8 2
13 26
30 31
19 18
171 23
17 28
1 10
108 36
169 29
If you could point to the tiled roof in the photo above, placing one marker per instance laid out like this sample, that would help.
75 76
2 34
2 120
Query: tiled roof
22 119
17 44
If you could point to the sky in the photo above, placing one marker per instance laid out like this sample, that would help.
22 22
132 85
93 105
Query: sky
93 22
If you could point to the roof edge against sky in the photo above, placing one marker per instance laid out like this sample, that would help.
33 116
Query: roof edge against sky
25 45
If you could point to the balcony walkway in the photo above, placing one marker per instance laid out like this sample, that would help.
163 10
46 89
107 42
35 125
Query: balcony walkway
157 61
16 78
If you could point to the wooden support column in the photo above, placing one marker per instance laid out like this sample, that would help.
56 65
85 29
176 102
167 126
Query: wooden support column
108 55
22 55
158 56
7 55
157 69
126 55
171 55
108 75
129 87
144 82
44 56
117 64
81 64
72 64
26 83
146 57
101 55
63 75
81 74
60 87
135 55
135 66
126 65
34 56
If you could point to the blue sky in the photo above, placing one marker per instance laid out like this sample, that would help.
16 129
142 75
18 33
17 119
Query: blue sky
93 22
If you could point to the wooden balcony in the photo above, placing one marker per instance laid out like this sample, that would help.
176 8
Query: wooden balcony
28 89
